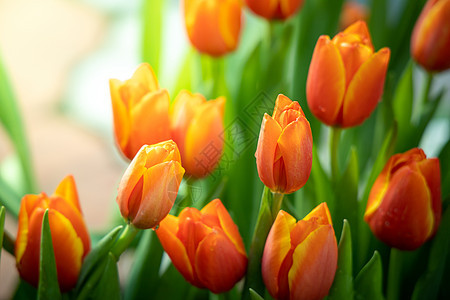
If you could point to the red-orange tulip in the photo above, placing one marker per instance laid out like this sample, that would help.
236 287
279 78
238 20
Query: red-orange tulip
274 9
284 153
140 110
300 258
346 78
404 206
150 185
205 246
70 237
213 26
197 128
430 41
352 12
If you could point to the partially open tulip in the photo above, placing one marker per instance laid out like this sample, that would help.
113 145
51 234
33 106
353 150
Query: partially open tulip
274 9
140 110
70 237
150 185
346 77
197 128
352 11
213 26
284 153
404 206
205 246
300 258
430 41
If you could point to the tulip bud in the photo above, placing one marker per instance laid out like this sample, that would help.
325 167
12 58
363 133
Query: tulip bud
197 128
300 258
404 206
205 246
284 152
430 41
352 12
140 110
213 26
150 184
346 78
274 9
70 237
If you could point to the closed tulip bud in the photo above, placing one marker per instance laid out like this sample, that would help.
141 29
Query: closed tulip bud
430 41
140 111
205 246
284 152
70 237
150 185
404 206
274 9
352 12
346 77
213 26
300 258
197 128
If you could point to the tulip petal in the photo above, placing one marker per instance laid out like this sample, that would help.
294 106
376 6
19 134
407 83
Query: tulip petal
325 86
166 232
266 9
295 145
67 190
144 74
265 152
322 213
204 139
289 7
120 114
365 89
278 244
314 265
360 28
160 188
218 264
431 172
150 119
230 22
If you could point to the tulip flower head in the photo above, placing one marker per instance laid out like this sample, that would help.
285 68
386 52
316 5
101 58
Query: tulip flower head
284 152
274 9
150 185
430 41
213 26
205 246
346 77
404 206
197 128
140 110
300 258
70 237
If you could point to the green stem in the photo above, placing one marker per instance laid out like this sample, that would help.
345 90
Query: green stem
124 240
394 274
8 243
426 89
334 146
277 199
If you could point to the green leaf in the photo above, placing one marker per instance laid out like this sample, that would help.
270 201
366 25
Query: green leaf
109 286
95 256
9 198
377 23
254 295
48 287
144 274
431 281
369 282
152 13
444 160
322 185
342 287
12 121
2 224
24 291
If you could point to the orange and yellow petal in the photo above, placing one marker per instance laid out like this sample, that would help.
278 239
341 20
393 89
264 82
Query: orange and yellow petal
120 115
144 75
67 190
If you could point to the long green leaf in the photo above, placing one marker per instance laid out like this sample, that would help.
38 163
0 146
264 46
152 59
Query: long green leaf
152 12
369 282
254 295
48 287
342 287
109 286
9 198
444 159
2 229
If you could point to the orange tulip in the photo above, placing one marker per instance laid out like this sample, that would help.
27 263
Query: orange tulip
346 78
213 26
352 11
404 206
141 111
70 237
274 9
150 185
284 153
430 41
205 246
300 258
197 128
